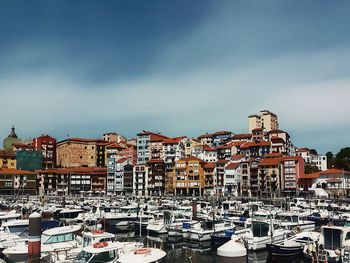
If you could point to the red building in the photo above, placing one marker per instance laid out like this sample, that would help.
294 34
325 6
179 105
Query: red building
47 145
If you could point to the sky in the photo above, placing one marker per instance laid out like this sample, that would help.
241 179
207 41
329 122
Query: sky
83 68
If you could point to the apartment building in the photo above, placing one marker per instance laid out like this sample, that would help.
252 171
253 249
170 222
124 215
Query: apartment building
188 177
266 120
47 145
17 182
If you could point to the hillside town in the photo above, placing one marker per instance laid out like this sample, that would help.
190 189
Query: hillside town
264 162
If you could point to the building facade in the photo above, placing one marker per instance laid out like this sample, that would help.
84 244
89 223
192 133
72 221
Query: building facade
7 159
47 145
17 182
30 160
78 152
265 119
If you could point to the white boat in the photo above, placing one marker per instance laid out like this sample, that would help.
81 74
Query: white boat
263 232
123 219
292 221
106 252
333 245
234 248
16 226
143 255
9 216
60 241
202 231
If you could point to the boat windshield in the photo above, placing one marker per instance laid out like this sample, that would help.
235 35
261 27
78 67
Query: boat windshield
332 238
58 238
260 229
82 257
128 210
283 218
18 229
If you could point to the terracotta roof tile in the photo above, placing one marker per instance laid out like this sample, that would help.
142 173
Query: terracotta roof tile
255 144
209 165
15 171
232 166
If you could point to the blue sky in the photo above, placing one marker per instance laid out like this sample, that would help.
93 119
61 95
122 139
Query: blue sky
178 67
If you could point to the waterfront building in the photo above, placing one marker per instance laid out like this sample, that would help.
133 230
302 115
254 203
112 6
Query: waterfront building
144 151
219 180
188 177
73 180
291 168
47 145
79 152
268 178
128 179
11 139
209 178
140 180
265 119
115 174
17 182
232 178
245 178
334 181
156 177
7 159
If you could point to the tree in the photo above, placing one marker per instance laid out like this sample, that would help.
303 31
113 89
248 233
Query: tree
344 154
330 160
309 169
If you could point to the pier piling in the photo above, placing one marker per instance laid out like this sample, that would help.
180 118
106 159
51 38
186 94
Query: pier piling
34 240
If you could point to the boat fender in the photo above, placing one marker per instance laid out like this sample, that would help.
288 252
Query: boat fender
142 251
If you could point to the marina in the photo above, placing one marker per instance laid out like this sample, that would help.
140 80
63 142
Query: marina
118 229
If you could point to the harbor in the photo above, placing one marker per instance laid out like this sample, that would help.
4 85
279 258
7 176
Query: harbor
164 229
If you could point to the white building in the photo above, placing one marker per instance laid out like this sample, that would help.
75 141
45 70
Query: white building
311 157
205 153
174 149
232 178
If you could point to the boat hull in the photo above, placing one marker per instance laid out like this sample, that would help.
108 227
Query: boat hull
284 251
